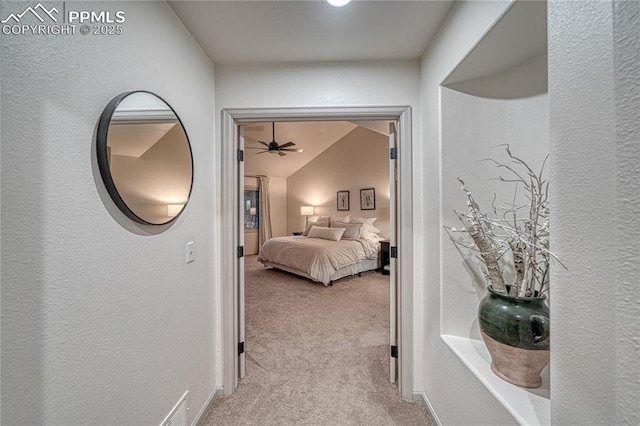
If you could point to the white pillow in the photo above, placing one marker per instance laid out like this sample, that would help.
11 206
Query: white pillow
368 220
333 234
368 232
345 219
352 230
369 228
310 224
319 219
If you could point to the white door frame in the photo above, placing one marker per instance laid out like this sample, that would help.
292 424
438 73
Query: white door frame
230 120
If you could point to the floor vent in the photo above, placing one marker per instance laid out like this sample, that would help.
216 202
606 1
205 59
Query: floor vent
178 416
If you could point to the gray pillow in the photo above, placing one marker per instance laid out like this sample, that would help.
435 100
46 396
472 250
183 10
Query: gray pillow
310 224
351 230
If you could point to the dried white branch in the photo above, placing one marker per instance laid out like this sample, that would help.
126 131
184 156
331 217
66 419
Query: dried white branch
526 238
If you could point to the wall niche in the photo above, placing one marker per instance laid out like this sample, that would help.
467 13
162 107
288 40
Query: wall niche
497 95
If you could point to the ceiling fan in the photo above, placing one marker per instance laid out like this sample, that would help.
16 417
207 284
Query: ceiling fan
273 147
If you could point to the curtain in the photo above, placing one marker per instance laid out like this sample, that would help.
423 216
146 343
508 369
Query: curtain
264 227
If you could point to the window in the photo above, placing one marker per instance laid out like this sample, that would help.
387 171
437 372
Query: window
251 210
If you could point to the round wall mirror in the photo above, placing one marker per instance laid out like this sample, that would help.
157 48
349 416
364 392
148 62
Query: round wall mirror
144 157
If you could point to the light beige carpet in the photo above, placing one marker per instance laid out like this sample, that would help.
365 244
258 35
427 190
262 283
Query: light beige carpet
315 355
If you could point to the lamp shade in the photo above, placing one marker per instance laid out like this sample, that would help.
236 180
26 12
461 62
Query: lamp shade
306 210
174 209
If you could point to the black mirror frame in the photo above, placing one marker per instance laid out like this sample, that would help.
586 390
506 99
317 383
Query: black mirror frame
103 157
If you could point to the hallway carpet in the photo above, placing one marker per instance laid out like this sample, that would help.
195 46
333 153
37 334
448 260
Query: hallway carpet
315 355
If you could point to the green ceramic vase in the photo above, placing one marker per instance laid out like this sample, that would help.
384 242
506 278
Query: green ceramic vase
516 332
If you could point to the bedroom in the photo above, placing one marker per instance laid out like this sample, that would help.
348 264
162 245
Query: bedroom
337 156
338 159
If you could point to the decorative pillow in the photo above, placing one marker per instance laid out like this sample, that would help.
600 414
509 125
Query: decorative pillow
310 224
352 230
333 234
368 220
319 218
368 232
345 219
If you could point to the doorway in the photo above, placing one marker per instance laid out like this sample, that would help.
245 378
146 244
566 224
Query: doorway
233 286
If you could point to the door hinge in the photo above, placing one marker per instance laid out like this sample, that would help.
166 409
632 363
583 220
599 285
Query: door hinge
240 348
240 155
393 153
394 351
240 251
393 252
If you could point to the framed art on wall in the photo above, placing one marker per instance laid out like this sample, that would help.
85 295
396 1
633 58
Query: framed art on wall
368 199
343 200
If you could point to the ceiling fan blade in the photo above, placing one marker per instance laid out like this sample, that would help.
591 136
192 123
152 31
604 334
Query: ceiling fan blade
254 147
286 145
264 143
281 154
263 151
290 150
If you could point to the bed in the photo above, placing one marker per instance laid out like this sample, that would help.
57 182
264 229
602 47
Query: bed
320 259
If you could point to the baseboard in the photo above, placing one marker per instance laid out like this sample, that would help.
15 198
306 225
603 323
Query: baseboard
420 396
205 409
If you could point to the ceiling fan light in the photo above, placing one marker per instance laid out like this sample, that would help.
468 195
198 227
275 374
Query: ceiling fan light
338 3
273 147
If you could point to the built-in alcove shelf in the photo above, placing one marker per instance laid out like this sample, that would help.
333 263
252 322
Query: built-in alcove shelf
528 406
510 62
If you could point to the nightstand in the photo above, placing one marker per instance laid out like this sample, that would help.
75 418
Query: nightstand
384 257
297 232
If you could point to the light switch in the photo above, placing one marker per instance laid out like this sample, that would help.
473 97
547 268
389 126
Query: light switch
190 251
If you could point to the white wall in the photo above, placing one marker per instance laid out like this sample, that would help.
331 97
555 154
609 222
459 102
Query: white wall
454 393
471 129
626 55
594 98
321 84
103 322
359 160
317 84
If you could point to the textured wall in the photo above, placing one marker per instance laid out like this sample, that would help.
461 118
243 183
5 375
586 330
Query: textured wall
626 55
317 84
583 164
103 322
594 104
453 391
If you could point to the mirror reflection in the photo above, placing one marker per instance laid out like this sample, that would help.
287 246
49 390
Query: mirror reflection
145 158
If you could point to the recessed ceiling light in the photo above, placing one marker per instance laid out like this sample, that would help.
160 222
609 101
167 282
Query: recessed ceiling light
338 3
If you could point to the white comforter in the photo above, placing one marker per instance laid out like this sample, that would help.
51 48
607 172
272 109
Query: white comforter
315 257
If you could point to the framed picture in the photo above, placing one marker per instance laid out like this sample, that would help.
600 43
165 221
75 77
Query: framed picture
368 199
343 200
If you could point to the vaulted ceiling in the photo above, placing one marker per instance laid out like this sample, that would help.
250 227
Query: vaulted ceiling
313 137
